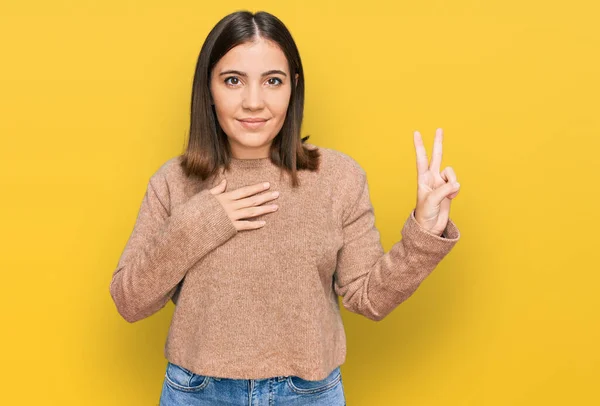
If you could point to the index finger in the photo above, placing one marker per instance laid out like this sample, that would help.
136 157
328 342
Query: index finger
246 191
422 161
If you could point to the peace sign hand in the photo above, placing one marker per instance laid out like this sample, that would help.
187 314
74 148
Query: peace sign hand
435 190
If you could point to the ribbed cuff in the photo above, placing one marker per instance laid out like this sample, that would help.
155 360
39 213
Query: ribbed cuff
205 220
426 242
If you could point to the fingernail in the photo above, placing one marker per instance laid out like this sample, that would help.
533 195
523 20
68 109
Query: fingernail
266 185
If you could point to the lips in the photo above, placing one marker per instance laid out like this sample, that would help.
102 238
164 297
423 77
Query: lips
252 123
253 120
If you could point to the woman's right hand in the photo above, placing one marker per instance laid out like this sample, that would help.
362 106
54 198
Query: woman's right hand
243 203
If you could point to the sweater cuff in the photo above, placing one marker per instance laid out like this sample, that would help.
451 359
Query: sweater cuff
205 221
422 240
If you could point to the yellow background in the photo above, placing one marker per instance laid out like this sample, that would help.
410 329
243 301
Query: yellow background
95 97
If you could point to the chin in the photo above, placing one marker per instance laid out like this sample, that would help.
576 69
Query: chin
253 139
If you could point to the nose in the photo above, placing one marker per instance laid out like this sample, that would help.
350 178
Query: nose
252 98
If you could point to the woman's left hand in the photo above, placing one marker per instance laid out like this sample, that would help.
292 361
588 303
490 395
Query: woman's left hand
435 190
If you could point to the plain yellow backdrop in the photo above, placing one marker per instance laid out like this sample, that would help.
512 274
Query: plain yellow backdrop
95 97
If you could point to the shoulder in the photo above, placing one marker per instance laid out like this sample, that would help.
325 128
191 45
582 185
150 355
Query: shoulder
170 168
343 177
169 176
341 166
169 171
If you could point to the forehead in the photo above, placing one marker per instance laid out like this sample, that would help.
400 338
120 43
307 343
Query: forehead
254 57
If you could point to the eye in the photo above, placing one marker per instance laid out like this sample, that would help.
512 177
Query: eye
277 79
233 78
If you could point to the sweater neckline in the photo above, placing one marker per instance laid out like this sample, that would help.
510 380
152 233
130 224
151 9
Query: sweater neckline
250 163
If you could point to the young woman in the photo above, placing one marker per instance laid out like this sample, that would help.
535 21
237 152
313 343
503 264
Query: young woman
254 233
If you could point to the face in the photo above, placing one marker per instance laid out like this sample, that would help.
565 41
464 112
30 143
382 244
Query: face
251 87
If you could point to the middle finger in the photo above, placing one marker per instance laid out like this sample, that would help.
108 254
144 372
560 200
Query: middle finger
436 154
255 200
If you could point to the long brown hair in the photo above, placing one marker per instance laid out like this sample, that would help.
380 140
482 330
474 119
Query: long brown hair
208 147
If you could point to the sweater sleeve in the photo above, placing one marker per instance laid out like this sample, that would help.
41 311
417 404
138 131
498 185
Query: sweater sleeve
163 246
372 282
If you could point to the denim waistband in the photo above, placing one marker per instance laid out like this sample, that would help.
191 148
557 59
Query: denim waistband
276 378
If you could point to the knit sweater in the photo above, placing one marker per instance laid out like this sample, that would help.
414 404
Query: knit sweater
260 303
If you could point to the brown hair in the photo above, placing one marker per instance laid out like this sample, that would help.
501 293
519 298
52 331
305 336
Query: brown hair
208 147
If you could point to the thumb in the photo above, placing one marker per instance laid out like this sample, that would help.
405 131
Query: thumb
220 188
444 191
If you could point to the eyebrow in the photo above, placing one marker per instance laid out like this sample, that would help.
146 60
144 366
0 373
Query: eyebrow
269 72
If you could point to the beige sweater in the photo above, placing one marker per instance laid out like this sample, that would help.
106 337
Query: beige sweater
261 303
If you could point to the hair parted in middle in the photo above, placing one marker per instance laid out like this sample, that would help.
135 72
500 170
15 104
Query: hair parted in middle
208 147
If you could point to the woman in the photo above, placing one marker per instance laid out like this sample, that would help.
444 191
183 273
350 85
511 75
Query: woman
256 275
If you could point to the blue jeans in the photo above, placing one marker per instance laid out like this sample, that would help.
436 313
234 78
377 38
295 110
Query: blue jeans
183 387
